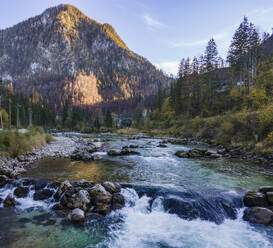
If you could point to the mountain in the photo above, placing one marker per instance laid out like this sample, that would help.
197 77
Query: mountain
66 56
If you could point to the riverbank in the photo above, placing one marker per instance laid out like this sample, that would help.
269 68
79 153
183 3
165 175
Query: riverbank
234 151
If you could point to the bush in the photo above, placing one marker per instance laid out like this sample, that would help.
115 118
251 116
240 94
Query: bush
14 144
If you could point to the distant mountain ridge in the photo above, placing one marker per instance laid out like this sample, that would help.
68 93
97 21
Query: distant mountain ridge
66 56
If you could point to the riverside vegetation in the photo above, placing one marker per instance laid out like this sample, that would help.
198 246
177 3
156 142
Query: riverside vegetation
228 105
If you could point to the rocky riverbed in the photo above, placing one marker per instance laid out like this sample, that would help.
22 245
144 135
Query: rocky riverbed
107 190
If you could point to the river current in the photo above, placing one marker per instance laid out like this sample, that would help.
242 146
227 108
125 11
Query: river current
150 179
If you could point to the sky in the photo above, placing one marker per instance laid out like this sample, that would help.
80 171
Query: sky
163 31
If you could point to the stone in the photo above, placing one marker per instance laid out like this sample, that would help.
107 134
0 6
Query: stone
265 189
123 152
133 146
58 206
9 201
77 215
118 201
258 215
40 185
3 180
42 194
255 199
65 185
111 187
79 200
99 195
269 196
21 192
162 145
83 183
102 209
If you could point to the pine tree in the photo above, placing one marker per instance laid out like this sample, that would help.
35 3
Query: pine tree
108 121
181 68
159 97
211 55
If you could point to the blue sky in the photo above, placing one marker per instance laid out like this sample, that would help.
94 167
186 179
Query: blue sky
163 31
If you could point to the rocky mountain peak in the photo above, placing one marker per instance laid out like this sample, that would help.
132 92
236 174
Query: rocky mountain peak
66 56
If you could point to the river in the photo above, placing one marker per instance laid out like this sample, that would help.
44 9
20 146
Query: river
143 222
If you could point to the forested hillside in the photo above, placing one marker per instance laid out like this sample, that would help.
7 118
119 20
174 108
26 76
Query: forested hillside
69 58
225 102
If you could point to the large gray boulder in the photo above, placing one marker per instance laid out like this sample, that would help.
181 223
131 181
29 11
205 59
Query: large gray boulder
258 215
101 199
77 216
79 200
111 187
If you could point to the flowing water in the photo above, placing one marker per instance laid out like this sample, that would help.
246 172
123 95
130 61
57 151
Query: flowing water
154 179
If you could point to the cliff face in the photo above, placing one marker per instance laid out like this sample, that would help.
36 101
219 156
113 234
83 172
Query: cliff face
65 55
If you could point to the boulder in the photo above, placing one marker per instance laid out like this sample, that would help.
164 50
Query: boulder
133 146
197 153
122 152
99 195
258 215
118 201
79 200
57 206
77 216
255 199
40 185
3 180
269 196
81 155
111 187
83 183
102 209
66 185
21 192
265 189
42 194
9 201
162 145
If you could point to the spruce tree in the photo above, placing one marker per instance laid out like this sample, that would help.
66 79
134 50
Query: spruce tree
211 55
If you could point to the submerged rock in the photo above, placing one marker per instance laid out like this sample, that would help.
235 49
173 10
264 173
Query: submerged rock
21 192
269 196
258 215
265 189
123 152
77 216
42 194
3 180
255 199
9 201
197 153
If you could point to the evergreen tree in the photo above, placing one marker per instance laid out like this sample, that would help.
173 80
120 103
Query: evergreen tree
181 68
108 121
211 55
97 123
159 97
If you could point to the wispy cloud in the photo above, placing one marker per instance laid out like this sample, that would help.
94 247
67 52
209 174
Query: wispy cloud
170 67
153 23
217 37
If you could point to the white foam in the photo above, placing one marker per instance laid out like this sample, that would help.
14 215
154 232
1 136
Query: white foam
143 229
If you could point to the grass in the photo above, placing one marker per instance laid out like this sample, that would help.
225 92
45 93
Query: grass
14 144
